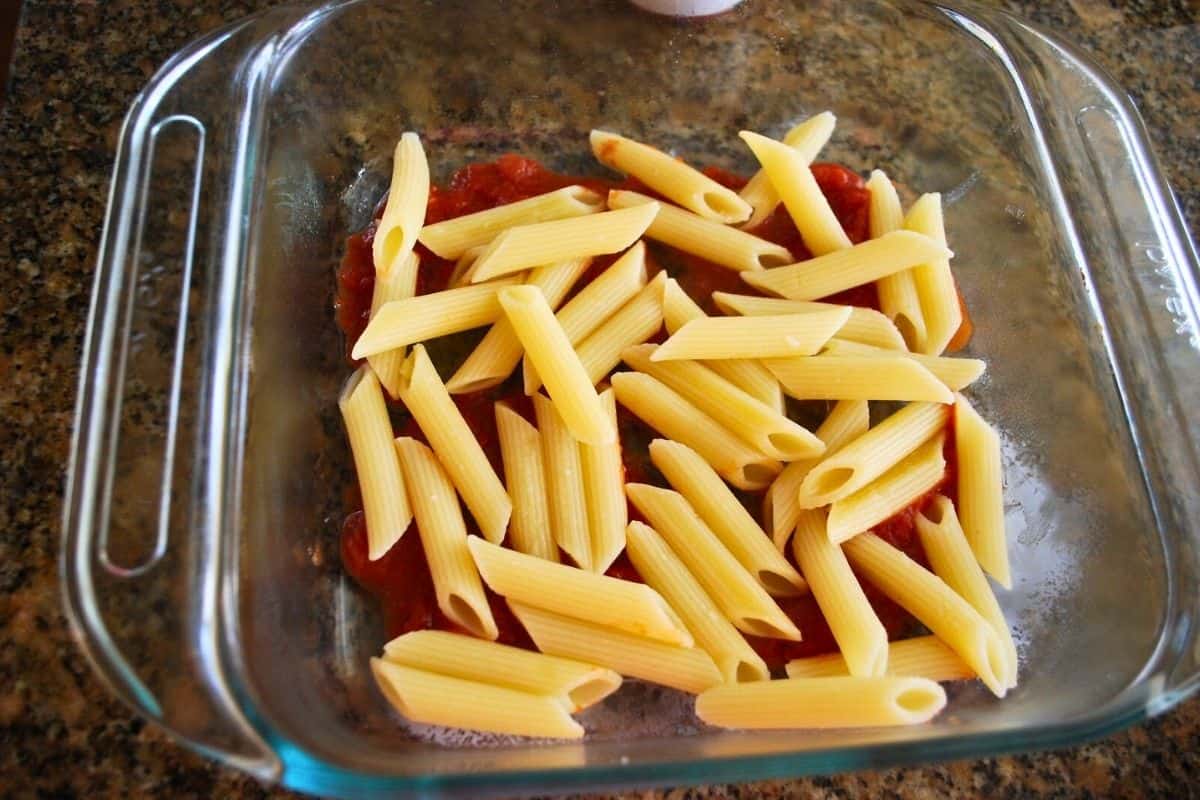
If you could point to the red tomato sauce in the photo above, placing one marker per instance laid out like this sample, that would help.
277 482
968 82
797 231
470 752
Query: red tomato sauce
400 581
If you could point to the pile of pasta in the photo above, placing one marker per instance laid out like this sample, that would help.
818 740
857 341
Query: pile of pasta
715 391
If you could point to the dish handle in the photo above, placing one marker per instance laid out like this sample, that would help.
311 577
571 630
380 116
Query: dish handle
147 544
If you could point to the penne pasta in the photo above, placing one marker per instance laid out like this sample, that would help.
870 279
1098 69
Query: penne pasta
688 669
670 177
860 635
917 473
981 491
369 429
525 478
755 423
422 392
951 559
574 684
865 325
428 316
397 283
781 508
740 598
844 269
934 604
898 298
464 268
444 538
724 514
807 139
540 243
822 703
712 241
673 416
433 699
632 607
603 487
956 373
499 352
831 377
566 379
634 323
753 337
919 657
750 376
872 454
405 209
453 237
567 501
596 302
934 281
790 176
665 571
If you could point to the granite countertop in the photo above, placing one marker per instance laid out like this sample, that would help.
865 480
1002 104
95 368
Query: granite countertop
78 64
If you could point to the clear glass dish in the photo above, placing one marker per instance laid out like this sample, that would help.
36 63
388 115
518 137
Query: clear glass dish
205 497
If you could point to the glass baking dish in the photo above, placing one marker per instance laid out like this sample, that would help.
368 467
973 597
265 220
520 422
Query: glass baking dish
206 486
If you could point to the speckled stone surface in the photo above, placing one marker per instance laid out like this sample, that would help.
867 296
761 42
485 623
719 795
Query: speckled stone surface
77 66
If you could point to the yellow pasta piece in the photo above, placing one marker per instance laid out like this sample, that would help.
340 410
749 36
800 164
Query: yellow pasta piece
781 508
499 352
743 602
934 280
464 267
564 483
397 283
755 423
844 269
753 337
423 393
807 139
897 292
927 597
453 237
671 415
574 684
428 316
956 373
822 703
750 376
712 241
872 454
830 377
444 538
566 379
526 246
719 508
525 477
865 325
603 485
662 568
981 491
405 209
792 179
688 669
919 657
860 635
632 607
433 699
670 177
951 559
385 502
919 471
634 323
596 302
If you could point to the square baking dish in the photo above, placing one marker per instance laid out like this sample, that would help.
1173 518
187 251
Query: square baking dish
207 482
